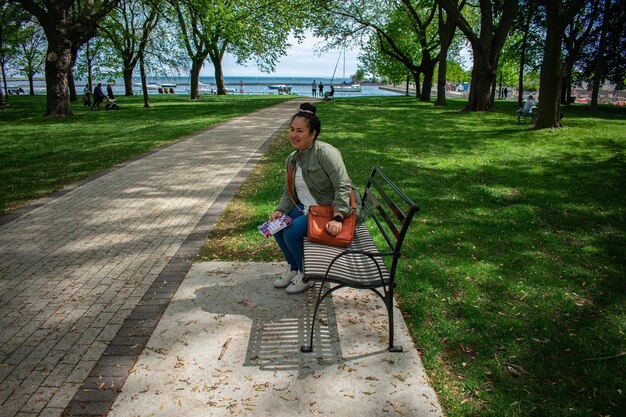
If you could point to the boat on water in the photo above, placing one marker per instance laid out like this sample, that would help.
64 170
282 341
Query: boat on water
211 89
348 88
282 88
229 90
203 88
279 87
169 85
150 86
344 87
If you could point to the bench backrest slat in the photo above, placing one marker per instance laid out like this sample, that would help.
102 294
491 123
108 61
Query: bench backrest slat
373 202
390 242
390 208
392 205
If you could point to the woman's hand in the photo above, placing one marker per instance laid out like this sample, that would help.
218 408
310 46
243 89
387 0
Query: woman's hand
333 227
276 215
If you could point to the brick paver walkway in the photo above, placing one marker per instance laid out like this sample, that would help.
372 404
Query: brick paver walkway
85 277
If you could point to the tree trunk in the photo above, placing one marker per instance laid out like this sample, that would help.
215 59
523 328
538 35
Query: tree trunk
71 85
429 72
486 46
416 79
3 96
550 79
408 82
4 81
566 85
599 67
441 80
128 81
144 82
195 79
557 19
522 62
219 77
58 62
64 30
483 76
446 34
31 84
89 66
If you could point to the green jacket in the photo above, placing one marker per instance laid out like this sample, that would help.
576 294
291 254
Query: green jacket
325 174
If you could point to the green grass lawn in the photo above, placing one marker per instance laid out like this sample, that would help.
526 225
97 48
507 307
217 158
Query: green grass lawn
40 155
512 281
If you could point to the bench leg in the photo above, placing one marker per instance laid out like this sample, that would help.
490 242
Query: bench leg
387 299
389 305
309 348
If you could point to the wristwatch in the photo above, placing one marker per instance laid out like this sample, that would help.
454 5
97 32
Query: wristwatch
338 218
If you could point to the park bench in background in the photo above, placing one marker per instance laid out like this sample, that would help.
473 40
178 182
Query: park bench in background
362 265
523 117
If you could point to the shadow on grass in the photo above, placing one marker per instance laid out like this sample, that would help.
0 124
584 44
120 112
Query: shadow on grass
513 280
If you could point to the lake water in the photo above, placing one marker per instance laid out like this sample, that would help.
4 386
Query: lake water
251 85
256 85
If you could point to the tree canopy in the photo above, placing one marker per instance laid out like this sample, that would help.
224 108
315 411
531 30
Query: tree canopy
573 42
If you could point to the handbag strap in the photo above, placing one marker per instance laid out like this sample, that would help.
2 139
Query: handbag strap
290 175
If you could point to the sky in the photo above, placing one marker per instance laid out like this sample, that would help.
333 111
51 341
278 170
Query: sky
301 60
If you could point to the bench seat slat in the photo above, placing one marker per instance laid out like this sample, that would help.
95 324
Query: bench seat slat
354 269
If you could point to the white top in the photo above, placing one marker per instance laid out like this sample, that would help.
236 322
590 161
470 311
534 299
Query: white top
302 191
528 105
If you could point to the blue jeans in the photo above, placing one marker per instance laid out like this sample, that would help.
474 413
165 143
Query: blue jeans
290 239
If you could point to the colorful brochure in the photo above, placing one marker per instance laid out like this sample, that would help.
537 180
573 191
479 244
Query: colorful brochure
272 226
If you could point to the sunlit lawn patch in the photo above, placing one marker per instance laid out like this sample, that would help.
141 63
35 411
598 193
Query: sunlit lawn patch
39 155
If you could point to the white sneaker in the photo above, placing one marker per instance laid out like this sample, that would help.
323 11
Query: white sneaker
285 279
297 285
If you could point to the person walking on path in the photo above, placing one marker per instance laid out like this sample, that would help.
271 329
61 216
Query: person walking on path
98 97
329 185
314 89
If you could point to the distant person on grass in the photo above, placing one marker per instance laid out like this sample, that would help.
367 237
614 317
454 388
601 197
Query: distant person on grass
314 89
87 96
320 178
98 97
110 92
321 89
329 95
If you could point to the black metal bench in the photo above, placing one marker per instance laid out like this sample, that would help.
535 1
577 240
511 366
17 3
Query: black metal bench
362 264
532 116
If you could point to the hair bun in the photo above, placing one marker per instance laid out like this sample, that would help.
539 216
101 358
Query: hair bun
308 108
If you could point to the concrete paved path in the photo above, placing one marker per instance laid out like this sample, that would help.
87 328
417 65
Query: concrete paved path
231 311
86 278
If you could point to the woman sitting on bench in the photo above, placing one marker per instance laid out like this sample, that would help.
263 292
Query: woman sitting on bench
320 178
528 107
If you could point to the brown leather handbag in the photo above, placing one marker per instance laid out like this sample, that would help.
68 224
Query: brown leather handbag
320 215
